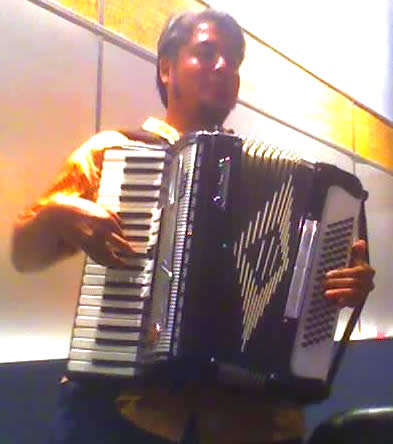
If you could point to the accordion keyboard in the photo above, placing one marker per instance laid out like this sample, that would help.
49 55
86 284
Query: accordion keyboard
108 333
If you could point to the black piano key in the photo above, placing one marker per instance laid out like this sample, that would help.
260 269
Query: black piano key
120 297
137 238
137 199
119 342
123 284
143 159
118 329
121 310
109 363
130 170
139 187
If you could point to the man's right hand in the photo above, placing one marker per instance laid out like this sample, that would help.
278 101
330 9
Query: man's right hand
66 224
91 228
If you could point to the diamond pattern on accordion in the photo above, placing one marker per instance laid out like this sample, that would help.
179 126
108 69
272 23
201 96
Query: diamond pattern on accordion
321 315
262 256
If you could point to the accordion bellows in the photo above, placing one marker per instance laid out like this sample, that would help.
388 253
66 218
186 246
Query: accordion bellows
232 239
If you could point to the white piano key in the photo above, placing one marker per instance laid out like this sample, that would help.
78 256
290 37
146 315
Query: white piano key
136 261
128 220
114 204
89 355
150 171
92 311
88 367
134 150
112 190
82 332
126 278
93 280
130 179
147 162
114 274
153 238
89 321
138 232
91 344
99 301
99 290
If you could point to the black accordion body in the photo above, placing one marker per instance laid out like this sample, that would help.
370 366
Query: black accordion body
232 239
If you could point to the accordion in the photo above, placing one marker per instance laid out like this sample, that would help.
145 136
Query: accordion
232 240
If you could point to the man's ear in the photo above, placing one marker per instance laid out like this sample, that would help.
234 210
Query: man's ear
165 67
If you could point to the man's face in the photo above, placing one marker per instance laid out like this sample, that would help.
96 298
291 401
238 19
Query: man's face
204 80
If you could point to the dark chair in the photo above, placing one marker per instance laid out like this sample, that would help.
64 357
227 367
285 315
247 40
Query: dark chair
358 426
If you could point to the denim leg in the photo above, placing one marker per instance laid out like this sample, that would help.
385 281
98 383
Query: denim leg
91 417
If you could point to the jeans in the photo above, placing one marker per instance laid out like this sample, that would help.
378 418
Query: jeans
89 416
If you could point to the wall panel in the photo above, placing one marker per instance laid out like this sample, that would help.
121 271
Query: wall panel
377 317
253 124
48 94
373 138
128 89
141 22
270 83
329 40
86 8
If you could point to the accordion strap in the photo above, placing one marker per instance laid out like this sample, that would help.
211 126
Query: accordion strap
357 310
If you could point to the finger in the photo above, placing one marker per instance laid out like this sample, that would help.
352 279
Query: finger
108 258
358 271
112 224
116 261
119 244
115 216
358 253
107 252
342 283
357 285
345 297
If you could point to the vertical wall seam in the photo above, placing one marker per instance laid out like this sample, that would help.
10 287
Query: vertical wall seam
353 136
100 41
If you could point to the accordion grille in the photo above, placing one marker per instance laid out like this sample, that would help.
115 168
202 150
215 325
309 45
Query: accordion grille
320 320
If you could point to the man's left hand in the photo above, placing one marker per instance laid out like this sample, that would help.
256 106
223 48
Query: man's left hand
350 286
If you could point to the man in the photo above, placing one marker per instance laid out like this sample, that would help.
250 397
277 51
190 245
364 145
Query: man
198 78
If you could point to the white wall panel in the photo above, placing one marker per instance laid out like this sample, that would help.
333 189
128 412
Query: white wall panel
47 89
377 316
250 123
346 43
129 94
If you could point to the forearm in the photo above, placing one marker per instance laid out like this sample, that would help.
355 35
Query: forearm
37 241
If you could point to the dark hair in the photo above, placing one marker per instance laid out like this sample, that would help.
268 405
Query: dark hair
178 29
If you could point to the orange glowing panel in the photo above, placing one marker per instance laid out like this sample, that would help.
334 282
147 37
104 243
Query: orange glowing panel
278 87
373 138
86 8
141 22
